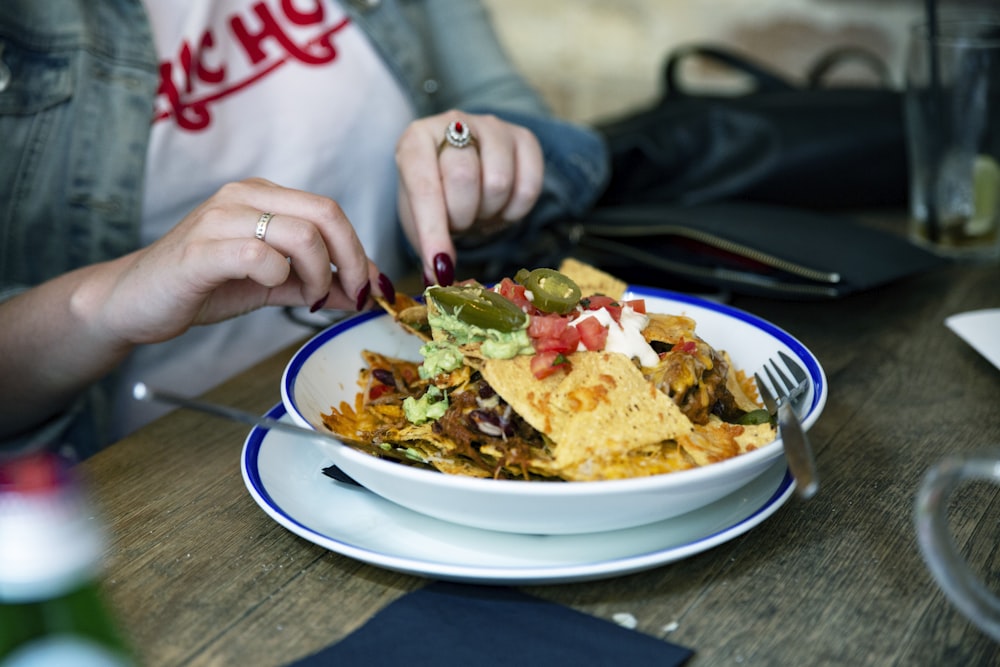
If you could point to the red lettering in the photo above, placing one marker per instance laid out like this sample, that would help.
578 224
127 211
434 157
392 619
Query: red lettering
192 65
167 87
320 53
185 61
251 41
297 17
203 71
189 116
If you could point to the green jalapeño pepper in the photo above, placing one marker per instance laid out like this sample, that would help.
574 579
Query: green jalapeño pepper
479 307
551 291
754 417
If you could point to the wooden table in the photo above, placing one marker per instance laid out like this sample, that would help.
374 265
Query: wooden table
200 575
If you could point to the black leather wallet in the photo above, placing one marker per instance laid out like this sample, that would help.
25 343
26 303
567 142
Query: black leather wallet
745 248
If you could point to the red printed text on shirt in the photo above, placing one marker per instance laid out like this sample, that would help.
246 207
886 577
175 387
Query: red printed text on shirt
268 37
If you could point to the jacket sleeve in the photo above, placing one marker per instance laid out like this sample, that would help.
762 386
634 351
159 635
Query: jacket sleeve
474 73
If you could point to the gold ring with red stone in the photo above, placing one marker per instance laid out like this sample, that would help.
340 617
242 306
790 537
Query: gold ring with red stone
458 135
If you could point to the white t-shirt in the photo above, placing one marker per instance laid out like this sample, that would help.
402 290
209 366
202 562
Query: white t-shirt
287 90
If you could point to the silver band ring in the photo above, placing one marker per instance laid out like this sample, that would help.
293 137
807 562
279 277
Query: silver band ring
458 135
262 225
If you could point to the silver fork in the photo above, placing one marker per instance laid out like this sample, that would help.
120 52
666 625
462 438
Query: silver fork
787 389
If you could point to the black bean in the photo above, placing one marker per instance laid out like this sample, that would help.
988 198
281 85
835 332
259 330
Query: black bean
384 376
491 423
486 422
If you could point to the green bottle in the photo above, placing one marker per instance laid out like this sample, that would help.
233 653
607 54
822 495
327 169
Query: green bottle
51 550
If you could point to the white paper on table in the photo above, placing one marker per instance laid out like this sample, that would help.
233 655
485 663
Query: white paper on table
981 330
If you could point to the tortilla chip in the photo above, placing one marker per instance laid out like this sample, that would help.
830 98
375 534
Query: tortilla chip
742 388
602 408
663 328
592 280
409 313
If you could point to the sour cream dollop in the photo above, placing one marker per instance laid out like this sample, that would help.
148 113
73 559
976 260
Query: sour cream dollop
624 336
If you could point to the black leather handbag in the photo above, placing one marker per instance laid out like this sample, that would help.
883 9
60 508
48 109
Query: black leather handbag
808 144
735 193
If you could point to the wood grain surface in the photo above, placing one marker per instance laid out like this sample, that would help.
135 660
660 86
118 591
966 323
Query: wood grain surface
199 575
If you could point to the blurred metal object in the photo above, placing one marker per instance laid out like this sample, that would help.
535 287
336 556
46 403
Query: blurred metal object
787 389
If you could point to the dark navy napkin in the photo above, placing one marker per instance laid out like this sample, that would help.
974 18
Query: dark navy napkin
457 624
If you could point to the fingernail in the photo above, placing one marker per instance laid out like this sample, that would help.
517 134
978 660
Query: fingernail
319 304
444 270
363 295
386 287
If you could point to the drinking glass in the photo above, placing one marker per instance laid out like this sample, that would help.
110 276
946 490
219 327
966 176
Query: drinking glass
951 571
952 110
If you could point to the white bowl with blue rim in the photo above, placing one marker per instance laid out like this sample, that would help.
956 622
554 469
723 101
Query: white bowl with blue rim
324 372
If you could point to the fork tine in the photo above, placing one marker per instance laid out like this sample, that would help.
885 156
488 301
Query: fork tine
775 387
797 450
765 394
786 385
793 367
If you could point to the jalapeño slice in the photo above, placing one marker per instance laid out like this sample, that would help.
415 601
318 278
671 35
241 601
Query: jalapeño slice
551 291
477 306
754 417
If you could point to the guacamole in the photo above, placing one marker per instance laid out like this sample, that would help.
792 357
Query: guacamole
439 357
443 356
431 406
495 344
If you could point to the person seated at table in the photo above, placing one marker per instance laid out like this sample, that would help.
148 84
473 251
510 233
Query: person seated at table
169 164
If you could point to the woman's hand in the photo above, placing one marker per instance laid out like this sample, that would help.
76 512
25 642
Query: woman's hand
211 266
64 334
492 182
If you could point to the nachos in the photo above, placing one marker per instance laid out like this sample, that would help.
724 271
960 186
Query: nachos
551 375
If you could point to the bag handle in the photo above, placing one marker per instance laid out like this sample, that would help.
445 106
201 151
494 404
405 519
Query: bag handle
837 57
766 80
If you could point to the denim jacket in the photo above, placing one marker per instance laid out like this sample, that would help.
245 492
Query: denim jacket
77 84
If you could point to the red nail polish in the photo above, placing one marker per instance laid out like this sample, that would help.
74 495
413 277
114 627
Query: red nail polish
386 287
363 295
444 270
319 304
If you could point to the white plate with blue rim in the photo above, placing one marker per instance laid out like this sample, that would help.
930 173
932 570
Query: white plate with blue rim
284 475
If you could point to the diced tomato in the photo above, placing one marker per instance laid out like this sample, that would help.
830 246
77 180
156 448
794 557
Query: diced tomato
566 342
513 292
377 390
508 288
593 334
598 301
547 326
638 305
544 364
570 339
550 332
688 346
